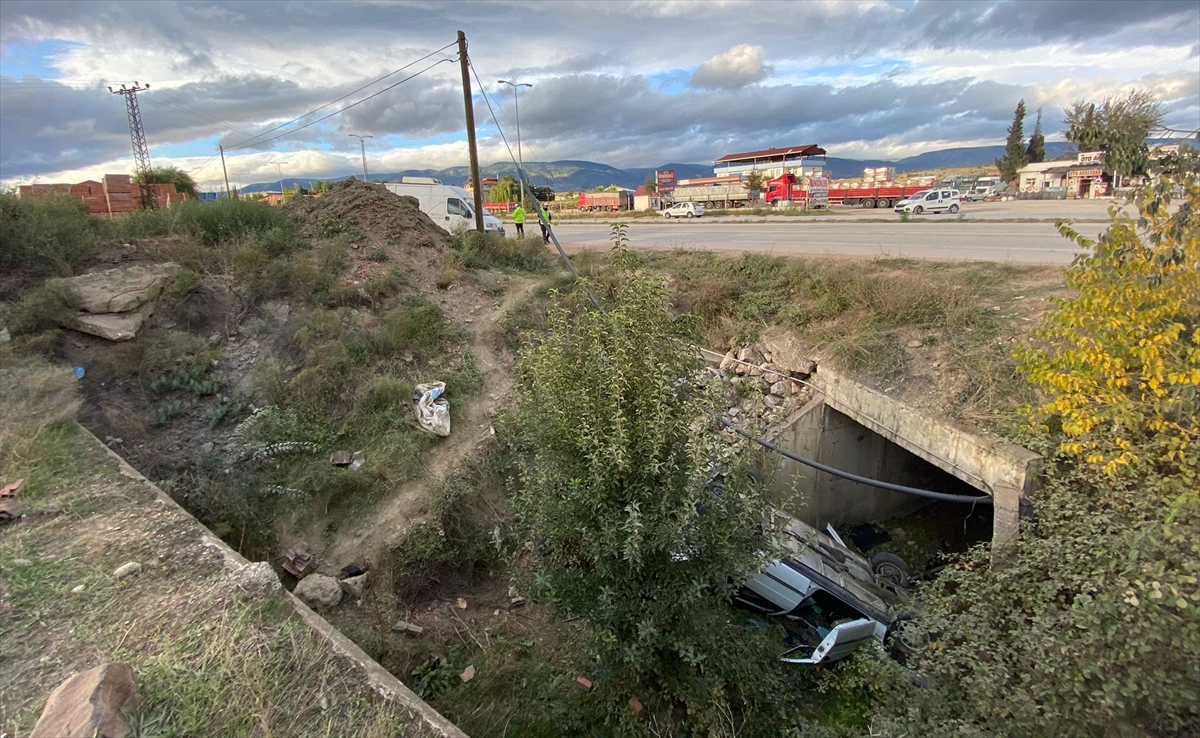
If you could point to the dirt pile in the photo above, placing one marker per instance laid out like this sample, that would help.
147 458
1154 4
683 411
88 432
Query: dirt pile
367 212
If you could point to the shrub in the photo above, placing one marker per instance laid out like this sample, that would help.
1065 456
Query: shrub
44 308
46 235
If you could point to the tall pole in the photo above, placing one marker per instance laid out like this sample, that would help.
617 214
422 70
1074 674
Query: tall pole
226 171
279 165
476 184
141 152
517 104
362 144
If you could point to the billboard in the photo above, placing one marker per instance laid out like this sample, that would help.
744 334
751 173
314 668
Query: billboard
665 179
818 192
208 196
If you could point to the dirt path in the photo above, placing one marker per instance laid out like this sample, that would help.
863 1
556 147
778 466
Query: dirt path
385 526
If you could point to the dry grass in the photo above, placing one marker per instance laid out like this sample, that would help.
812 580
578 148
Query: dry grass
35 396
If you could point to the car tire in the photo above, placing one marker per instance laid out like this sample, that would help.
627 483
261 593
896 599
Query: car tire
891 571
883 203
953 209
691 215
667 216
918 210
905 638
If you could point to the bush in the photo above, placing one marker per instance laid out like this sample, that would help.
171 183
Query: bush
46 235
213 222
492 251
44 308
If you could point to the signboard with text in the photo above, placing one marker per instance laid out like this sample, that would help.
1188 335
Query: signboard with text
665 179
818 192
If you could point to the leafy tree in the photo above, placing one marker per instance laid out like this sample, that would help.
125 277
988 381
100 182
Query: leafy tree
171 175
321 186
651 184
1118 126
506 190
1036 152
618 426
1015 155
753 182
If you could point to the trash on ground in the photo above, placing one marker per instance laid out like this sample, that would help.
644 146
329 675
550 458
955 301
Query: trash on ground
298 562
433 412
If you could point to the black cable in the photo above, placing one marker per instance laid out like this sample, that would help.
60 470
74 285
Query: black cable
929 494
251 142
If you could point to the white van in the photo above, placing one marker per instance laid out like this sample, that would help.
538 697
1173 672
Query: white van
450 207
931 201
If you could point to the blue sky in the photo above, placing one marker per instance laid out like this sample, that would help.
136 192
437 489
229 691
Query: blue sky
622 83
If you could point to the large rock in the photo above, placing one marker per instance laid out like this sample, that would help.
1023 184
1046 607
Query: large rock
122 289
113 326
356 587
789 354
319 591
91 704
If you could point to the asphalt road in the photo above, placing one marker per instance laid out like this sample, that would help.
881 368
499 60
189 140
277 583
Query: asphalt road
945 240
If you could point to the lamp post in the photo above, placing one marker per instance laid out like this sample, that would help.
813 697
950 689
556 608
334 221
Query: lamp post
279 165
362 145
517 105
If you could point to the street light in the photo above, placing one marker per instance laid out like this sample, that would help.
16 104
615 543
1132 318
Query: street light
517 104
279 165
362 144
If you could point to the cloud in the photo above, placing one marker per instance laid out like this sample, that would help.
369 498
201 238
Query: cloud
740 66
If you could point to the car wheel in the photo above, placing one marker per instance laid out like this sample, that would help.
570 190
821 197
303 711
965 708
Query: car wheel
883 204
691 215
890 571
869 204
667 216
905 638
918 210
953 209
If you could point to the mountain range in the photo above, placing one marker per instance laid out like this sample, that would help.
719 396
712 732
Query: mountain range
583 175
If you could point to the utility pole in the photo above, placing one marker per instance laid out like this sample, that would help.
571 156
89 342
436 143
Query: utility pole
141 152
517 104
362 144
223 169
279 165
476 184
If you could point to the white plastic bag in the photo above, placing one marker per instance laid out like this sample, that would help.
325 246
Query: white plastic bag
433 412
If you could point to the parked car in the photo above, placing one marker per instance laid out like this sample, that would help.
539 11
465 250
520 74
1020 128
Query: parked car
831 599
931 201
684 210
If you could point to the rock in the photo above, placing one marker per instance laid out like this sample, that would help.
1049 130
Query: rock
755 371
748 405
734 412
357 460
462 604
91 704
750 355
5 336
402 626
780 388
77 590
340 458
916 343
207 447
356 586
112 326
319 591
21 563
636 705
512 592
122 289
735 381
256 579
467 674
278 309
584 683
773 400
124 570
516 602
727 363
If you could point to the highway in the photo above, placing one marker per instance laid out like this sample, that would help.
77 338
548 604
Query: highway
1037 243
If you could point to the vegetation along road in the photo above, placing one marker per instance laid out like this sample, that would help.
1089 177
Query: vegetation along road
1016 242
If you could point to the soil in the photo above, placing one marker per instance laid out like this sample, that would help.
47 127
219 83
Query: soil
379 215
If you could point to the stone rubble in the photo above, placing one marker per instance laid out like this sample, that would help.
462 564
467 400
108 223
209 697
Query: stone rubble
767 383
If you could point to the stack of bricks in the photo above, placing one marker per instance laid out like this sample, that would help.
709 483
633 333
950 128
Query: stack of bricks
115 197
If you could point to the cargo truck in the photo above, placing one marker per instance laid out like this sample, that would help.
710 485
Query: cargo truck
875 195
605 201
810 192
720 192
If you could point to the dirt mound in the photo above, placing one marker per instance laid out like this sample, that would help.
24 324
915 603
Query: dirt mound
365 211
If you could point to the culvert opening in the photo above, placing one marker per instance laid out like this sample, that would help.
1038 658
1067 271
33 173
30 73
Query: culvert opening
861 440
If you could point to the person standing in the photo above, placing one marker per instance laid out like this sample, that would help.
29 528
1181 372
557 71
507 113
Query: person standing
519 220
546 226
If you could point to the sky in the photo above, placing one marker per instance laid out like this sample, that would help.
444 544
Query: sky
637 83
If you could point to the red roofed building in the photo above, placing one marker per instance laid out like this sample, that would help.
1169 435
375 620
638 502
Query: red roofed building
807 159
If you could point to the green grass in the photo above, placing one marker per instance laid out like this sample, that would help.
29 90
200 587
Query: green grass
46 236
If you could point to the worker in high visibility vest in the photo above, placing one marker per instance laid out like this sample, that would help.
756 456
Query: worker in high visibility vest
519 220
546 226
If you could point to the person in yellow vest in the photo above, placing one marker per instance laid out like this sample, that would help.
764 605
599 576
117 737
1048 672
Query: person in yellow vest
546 226
519 220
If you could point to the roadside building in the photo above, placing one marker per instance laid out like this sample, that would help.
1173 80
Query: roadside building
486 184
113 197
646 200
805 160
1082 178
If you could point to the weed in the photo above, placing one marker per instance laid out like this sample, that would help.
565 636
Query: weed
168 410
225 409
452 264
492 251
44 308
378 255
214 222
50 235
619 235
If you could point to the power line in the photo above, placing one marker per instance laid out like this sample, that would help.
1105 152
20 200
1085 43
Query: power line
250 141
342 110
187 107
497 122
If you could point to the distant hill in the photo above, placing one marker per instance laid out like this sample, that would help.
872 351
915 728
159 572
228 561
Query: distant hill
583 175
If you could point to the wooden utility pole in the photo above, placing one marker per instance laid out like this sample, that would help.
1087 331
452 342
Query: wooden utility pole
476 183
223 169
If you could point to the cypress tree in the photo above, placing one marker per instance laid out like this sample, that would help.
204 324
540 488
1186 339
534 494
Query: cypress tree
1014 149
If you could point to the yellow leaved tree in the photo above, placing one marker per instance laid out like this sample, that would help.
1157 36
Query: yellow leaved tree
1119 362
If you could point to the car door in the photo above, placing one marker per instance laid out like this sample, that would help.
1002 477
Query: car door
456 212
